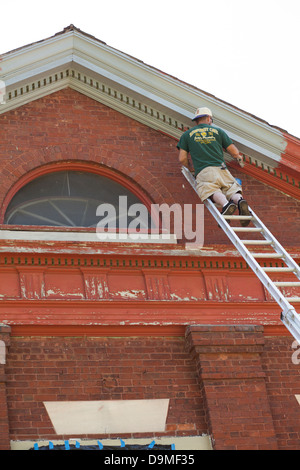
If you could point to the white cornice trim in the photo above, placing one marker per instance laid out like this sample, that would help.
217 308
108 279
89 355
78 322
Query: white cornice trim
164 103
40 70
133 85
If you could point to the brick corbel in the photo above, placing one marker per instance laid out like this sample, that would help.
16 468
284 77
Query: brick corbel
4 425
228 360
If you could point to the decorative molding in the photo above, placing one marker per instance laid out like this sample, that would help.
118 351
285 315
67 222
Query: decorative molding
74 58
136 107
120 331
217 287
158 259
98 90
99 330
138 313
143 111
109 280
96 286
267 294
32 285
153 261
279 179
157 285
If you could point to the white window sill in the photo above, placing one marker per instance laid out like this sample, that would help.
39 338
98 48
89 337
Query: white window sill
85 236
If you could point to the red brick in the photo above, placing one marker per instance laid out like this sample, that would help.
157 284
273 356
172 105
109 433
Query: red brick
149 377
240 398
234 363
36 134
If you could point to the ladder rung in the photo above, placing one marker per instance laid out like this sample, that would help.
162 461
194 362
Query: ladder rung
267 255
293 299
287 284
238 217
278 270
246 229
257 242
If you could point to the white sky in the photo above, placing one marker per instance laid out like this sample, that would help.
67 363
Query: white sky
245 52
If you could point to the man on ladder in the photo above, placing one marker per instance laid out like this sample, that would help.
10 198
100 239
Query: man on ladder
205 143
214 184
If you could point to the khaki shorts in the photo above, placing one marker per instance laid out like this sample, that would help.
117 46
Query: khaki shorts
212 179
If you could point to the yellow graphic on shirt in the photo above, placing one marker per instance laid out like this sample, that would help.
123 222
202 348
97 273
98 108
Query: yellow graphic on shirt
205 135
211 130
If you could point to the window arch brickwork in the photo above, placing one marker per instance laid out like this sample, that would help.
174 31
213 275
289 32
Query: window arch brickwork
69 196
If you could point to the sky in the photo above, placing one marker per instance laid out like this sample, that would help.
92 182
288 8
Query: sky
244 52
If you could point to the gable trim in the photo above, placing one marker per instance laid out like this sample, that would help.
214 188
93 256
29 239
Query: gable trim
80 61
273 177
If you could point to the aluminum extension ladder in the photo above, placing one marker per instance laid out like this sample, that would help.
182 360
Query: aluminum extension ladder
289 316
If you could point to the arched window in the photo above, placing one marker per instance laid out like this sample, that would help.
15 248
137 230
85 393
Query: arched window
72 199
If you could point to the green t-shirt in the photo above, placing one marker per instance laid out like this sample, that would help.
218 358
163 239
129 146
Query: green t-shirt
205 144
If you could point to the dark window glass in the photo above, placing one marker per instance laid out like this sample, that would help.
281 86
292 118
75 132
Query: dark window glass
71 198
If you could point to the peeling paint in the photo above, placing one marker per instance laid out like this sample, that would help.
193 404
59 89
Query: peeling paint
130 294
50 292
176 297
62 295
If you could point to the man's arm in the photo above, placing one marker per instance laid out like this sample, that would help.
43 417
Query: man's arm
234 152
183 158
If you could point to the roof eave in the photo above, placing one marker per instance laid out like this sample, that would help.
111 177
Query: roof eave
169 99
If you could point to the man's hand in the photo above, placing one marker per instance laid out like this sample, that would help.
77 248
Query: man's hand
233 151
241 161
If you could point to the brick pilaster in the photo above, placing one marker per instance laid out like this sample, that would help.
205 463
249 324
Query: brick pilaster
4 426
229 365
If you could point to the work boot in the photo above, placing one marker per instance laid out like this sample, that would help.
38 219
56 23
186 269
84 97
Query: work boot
244 210
229 209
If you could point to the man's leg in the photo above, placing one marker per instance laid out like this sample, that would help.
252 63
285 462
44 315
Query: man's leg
219 198
228 208
238 199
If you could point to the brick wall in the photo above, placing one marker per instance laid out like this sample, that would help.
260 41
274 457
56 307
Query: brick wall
50 369
70 126
281 363
4 425
229 365
229 382
249 383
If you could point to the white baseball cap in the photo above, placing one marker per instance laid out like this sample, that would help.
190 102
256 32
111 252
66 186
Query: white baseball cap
200 112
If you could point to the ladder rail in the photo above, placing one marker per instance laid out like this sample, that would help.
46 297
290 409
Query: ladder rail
253 264
289 261
289 316
291 321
